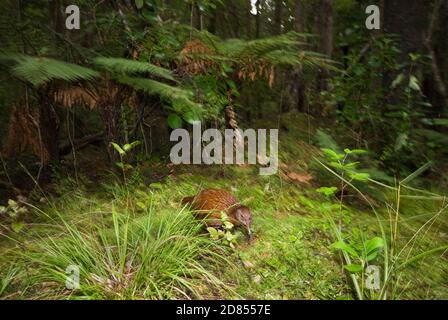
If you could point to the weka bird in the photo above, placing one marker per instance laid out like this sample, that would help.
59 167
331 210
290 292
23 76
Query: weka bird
210 203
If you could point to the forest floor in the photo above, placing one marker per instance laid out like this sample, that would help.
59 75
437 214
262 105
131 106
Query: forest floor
136 241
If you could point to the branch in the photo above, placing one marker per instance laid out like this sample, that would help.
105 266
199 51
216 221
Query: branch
81 143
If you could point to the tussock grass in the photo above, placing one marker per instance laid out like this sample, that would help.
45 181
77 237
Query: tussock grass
134 253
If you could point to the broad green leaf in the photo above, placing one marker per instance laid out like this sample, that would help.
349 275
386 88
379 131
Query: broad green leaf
373 244
174 121
118 148
130 146
341 245
372 256
353 268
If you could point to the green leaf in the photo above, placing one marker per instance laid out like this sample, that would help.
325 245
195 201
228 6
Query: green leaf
174 121
141 205
372 256
332 154
139 4
130 146
440 122
414 56
328 191
228 225
399 79
214 234
118 148
224 217
128 66
229 236
156 185
353 268
12 203
191 118
176 96
39 70
341 245
358 176
373 244
414 84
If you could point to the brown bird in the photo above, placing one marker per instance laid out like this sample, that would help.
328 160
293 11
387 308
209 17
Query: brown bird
210 203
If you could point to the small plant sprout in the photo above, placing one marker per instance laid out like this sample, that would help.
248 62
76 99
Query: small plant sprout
15 212
224 235
123 152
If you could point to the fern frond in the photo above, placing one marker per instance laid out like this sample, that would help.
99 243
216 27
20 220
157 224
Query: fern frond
128 66
165 91
275 50
39 70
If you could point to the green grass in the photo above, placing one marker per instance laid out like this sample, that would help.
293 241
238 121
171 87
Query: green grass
137 242
130 252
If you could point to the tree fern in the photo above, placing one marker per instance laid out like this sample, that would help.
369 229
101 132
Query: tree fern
275 50
177 96
39 70
127 66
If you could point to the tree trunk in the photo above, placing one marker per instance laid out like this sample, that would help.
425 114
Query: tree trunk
49 129
400 18
196 19
298 85
325 28
248 17
258 20
406 19
278 15
440 85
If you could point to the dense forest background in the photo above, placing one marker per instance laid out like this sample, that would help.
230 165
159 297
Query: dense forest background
86 119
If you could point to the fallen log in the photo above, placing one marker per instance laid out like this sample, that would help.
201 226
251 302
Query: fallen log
81 143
